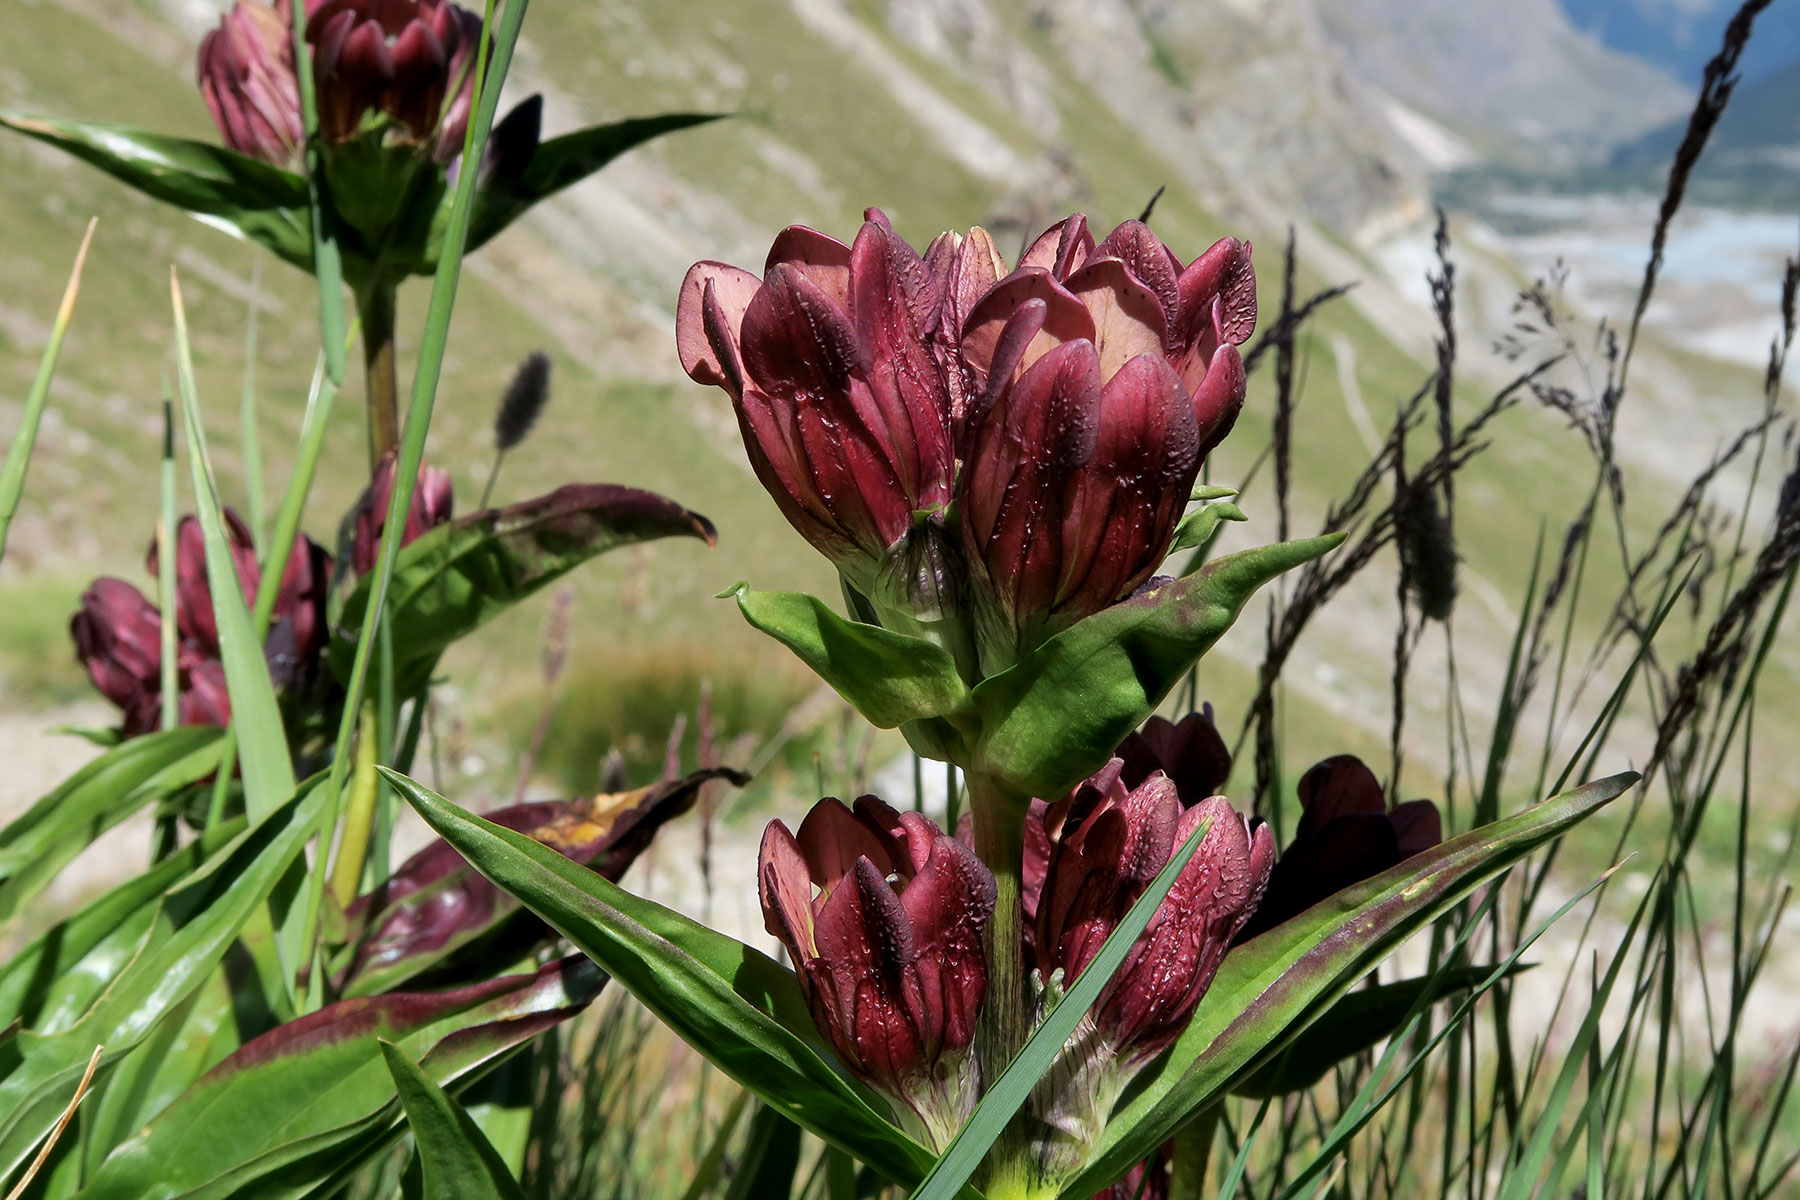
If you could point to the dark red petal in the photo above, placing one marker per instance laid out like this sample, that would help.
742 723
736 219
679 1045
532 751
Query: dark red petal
785 890
703 357
1013 485
820 257
1336 787
1124 503
832 839
796 340
1149 262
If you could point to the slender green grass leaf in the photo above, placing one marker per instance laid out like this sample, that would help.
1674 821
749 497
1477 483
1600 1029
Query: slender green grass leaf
457 1162
196 924
255 716
959 1161
230 191
1270 988
18 455
251 452
101 794
489 78
1359 1021
712 1163
736 1006
287 1110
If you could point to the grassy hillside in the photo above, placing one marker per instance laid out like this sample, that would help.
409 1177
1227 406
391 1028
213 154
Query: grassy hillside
834 112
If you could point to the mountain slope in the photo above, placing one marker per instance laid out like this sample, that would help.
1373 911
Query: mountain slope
1516 79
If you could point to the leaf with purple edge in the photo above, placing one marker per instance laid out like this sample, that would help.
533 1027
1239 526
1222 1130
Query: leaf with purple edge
437 906
276 1116
456 577
1270 988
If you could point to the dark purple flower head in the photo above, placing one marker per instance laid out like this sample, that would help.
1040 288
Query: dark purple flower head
404 64
884 915
1346 834
118 631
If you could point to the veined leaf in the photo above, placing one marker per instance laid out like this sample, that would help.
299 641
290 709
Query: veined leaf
228 190
275 1118
195 925
101 794
452 579
565 160
1053 718
1273 986
738 1007
889 677
457 1161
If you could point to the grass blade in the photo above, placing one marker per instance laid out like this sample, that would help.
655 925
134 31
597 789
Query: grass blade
18 456
255 716
459 1162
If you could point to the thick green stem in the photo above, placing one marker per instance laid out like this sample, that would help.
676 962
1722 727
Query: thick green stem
1006 1014
375 305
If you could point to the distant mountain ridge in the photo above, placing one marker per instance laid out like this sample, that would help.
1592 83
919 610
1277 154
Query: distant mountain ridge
1517 81
1679 36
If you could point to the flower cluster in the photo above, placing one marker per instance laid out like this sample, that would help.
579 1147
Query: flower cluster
403 69
986 455
118 631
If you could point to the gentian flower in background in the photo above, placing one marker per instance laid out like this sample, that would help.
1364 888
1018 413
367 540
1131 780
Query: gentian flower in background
1006 453
403 69
432 502
118 631
1346 834
883 915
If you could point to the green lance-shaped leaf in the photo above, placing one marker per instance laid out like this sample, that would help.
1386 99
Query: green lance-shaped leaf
738 1007
1358 1021
101 794
221 187
1273 986
1053 718
294 1106
452 579
888 677
53 981
565 160
197 922
1201 526
456 1159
